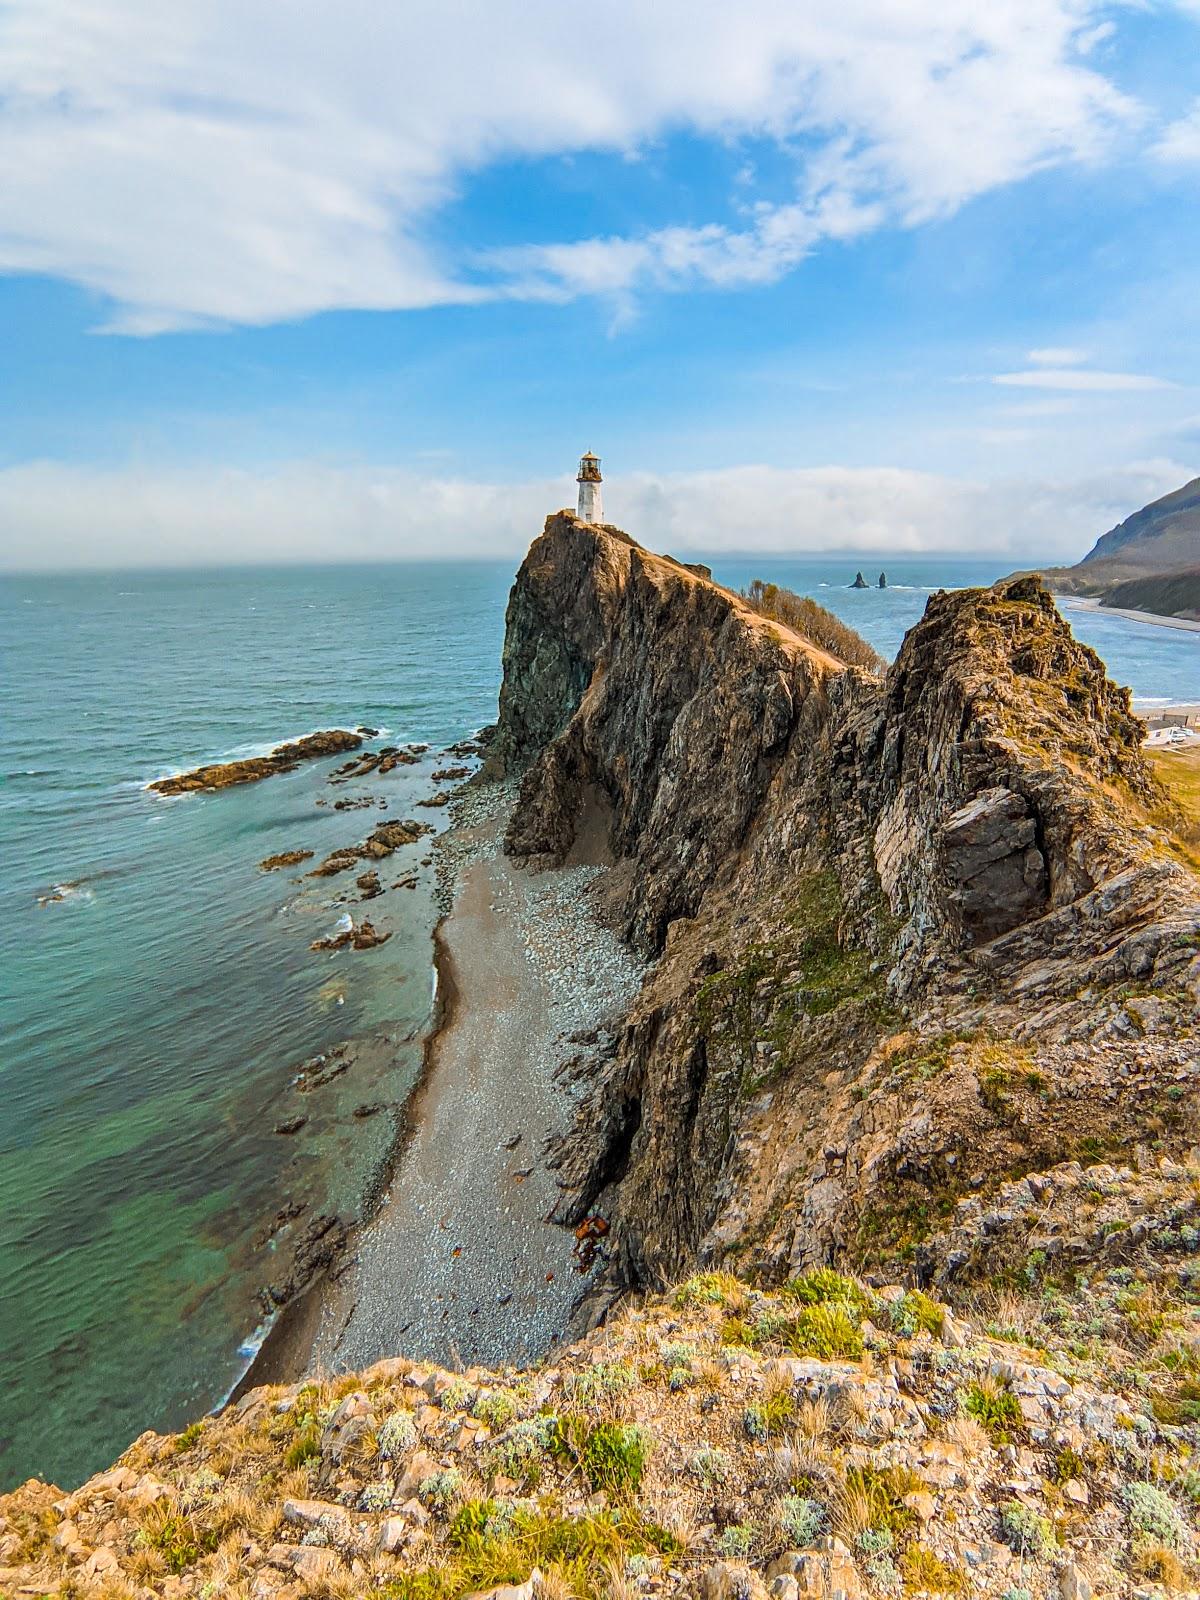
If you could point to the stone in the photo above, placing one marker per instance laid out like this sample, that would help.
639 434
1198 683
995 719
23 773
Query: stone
392 1534
285 858
512 1591
954 1335
420 1467
308 1512
101 1561
922 1502
1073 1583
312 1561
725 1581
988 849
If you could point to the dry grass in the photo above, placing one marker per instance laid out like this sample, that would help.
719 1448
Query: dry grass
813 622
1154 1563
853 1412
814 1419
968 1436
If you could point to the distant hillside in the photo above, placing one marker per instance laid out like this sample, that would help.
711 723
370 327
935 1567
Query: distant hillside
1150 562
1167 594
1162 537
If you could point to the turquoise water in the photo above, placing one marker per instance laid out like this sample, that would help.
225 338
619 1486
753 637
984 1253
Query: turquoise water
154 1016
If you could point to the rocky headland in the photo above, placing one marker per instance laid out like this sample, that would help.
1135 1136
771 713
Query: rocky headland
905 1099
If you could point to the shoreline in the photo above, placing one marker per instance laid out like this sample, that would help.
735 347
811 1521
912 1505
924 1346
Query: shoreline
458 1261
1087 602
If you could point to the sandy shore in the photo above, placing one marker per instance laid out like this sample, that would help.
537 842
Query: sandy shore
459 1263
1080 602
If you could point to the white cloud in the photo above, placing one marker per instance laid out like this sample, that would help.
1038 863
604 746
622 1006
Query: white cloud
1181 139
1082 379
237 161
62 517
1055 356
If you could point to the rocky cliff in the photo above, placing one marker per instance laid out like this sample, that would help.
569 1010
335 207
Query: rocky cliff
913 937
923 954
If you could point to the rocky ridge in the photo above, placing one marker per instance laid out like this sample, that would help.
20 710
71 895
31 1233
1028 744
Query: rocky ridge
918 1020
898 926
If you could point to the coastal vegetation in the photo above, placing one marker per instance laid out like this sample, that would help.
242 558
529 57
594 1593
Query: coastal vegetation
926 1448
813 622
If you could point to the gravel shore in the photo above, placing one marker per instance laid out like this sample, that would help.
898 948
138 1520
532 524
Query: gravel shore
459 1262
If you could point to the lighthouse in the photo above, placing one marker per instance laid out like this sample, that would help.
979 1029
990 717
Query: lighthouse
591 506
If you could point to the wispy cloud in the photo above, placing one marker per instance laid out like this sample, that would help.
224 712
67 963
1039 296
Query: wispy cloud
1081 379
1057 356
236 163
60 517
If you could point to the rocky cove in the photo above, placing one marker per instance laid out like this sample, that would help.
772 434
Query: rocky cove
862 1007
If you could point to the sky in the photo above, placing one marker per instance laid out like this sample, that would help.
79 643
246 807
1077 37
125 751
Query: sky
347 281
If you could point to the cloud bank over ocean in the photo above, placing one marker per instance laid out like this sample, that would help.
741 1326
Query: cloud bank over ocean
54 517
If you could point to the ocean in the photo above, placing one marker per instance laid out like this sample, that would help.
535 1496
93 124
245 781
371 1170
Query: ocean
159 991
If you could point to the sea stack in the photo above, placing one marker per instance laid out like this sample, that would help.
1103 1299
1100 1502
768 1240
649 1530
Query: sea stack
883 580
859 582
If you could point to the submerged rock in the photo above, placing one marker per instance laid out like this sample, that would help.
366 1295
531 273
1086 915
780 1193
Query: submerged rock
285 858
359 936
284 758
384 841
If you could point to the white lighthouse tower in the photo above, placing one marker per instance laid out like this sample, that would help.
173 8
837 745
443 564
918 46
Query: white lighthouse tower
591 506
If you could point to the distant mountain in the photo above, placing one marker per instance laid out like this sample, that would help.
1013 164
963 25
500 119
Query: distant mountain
1150 562
1162 537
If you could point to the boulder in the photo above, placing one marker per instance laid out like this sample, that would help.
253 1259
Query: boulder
989 851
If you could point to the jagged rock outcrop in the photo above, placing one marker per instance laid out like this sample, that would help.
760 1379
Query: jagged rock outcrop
832 870
252 769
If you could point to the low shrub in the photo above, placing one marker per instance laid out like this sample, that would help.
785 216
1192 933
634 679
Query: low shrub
1153 1513
823 1284
800 1519
813 622
710 1289
829 1330
994 1407
496 1407
614 1457
396 1435
925 1573
605 1380
711 1466
736 1543
1026 1531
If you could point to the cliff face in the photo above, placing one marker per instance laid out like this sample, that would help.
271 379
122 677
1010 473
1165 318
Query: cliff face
897 922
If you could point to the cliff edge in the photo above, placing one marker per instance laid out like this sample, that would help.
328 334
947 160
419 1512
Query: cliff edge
911 1079
912 937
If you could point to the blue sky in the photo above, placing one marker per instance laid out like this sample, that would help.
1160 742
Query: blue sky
365 282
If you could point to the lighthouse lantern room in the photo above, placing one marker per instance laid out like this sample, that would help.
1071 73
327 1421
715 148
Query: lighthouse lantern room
591 506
